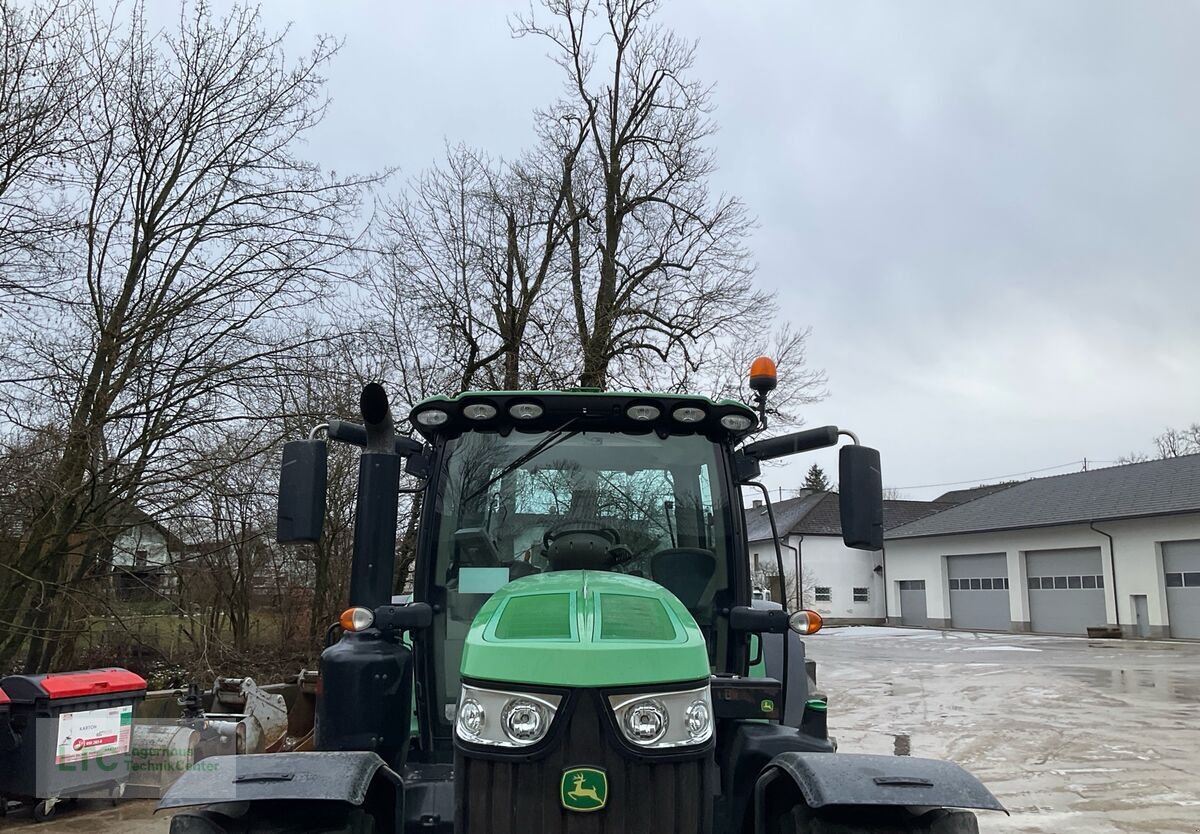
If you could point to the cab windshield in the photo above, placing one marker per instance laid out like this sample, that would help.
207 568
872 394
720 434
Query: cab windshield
528 503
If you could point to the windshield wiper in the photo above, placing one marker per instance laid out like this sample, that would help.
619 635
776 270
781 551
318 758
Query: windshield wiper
546 443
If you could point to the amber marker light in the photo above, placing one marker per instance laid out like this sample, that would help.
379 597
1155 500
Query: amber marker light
805 622
357 619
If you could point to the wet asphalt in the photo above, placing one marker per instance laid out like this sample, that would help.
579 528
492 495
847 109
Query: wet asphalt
1073 735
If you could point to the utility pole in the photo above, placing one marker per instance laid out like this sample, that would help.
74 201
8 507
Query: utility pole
1085 465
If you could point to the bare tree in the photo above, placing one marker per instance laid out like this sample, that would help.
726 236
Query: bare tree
1171 443
472 249
767 576
1174 443
40 86
658 264
199 237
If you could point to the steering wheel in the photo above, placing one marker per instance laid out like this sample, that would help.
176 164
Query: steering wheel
565 528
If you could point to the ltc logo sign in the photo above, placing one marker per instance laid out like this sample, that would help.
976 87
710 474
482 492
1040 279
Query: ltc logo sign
584 789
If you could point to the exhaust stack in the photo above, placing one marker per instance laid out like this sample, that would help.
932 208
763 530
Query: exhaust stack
373 564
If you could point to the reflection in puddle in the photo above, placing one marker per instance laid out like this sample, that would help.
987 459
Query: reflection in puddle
1162 684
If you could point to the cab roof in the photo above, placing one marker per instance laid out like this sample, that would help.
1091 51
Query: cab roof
586 409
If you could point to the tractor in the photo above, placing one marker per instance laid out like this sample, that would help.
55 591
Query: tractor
583 651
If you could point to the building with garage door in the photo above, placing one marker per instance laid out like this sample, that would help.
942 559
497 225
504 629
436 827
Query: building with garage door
843 585
1116 547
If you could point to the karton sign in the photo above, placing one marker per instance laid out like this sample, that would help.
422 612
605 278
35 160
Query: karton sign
93 733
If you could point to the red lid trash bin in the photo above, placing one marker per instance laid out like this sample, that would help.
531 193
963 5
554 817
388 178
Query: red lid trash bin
8 739
72 733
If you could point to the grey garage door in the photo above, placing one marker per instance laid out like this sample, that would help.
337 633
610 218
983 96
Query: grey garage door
912 603
979 591
1066 590
1181 570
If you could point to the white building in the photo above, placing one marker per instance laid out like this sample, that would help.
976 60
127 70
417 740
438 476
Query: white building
1116 547
142 556
841 584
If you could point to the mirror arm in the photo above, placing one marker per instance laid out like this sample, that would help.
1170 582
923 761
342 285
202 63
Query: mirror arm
853 437
355 434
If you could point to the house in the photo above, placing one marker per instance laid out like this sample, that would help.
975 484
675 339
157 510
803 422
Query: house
142 556
1117 547
841 584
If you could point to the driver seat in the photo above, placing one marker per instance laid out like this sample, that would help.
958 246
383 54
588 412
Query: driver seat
580 550
690 573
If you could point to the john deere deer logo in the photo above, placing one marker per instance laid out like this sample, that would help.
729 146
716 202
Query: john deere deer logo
584 789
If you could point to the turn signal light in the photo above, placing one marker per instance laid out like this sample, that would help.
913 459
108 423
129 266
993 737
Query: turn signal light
357 619
805 622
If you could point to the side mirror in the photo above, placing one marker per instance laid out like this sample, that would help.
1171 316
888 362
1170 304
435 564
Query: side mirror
302 483
860 485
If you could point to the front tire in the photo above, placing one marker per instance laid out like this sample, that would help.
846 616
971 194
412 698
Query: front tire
275 818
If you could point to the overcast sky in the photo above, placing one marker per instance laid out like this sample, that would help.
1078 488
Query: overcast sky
988 212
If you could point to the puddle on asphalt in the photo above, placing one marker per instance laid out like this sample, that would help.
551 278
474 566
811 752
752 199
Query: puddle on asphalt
902 745
1160 684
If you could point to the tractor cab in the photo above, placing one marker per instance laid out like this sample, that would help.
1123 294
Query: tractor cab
619 486
583 649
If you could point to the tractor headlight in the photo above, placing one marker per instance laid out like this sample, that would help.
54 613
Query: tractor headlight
645 722
525 721
736 422
525 717
470 717
658 720
697 719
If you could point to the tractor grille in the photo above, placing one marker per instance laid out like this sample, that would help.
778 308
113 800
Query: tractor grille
644 796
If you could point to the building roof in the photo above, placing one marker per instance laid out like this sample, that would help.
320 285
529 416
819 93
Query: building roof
961 496
788 514
818 514
1136 490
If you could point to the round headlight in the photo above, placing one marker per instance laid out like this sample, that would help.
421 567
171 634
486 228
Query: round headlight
525 411
643 413
688 414
697 720
431 417
479 411
524 721
736 422
646 722
470 717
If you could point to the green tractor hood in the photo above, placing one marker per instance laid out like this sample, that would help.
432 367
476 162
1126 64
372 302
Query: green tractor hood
585 629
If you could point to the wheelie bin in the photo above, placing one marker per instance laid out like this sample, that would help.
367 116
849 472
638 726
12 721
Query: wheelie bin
72 734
